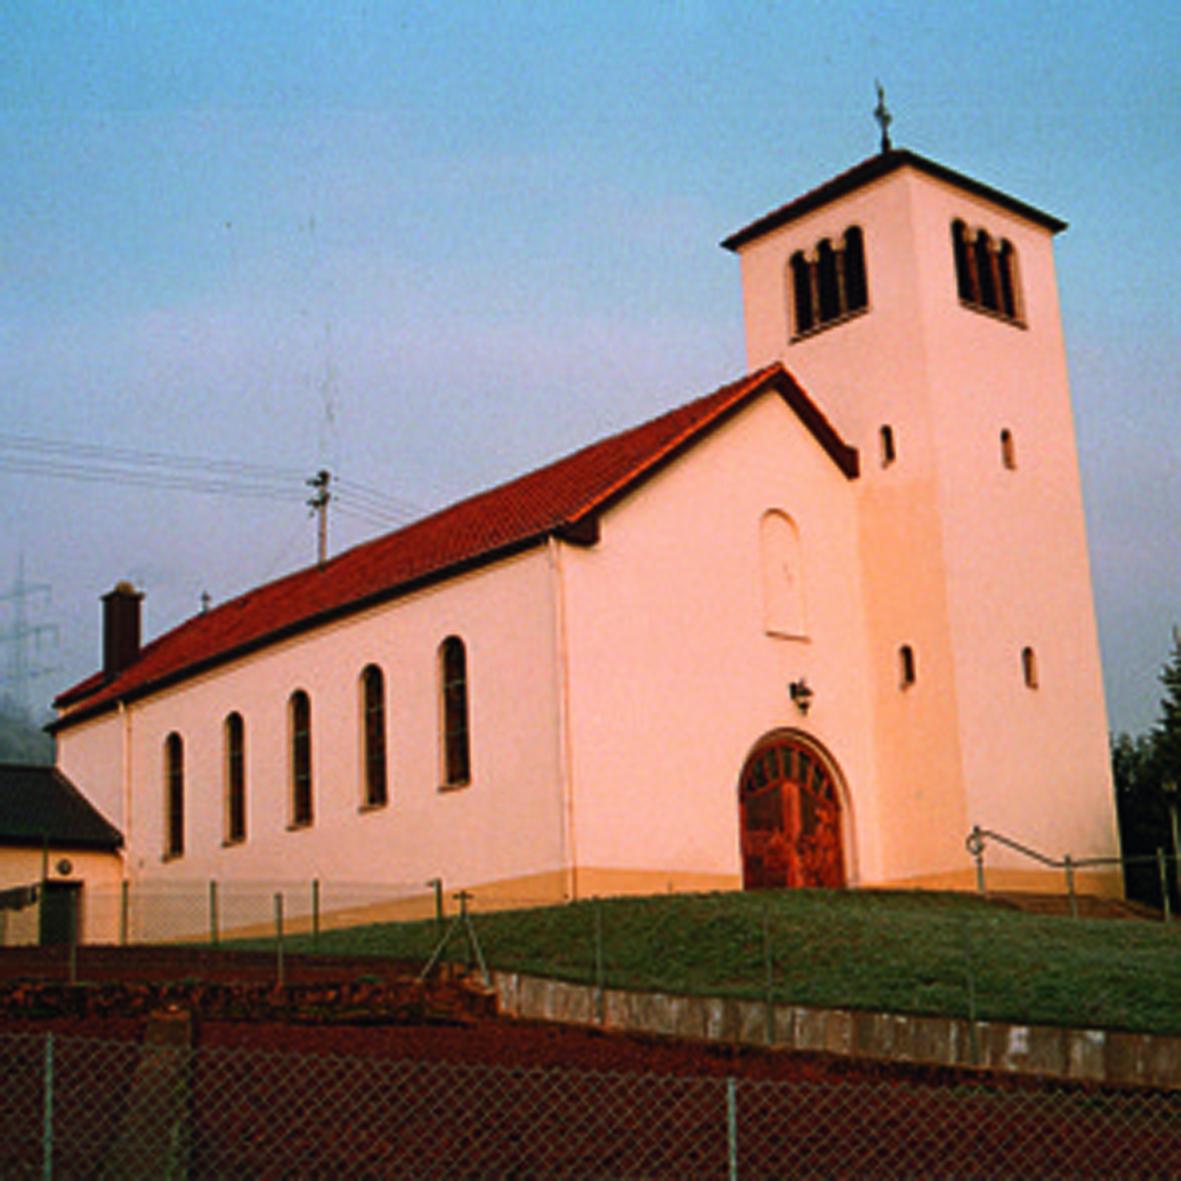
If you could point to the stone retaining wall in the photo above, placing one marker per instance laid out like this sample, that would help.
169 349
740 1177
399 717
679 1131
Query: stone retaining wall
1083 1055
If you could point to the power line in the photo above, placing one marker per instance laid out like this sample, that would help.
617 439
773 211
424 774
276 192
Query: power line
96 463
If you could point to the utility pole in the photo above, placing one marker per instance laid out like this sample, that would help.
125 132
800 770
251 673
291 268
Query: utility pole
318 503
24 639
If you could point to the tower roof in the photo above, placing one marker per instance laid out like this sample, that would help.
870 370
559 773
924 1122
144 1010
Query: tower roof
873 169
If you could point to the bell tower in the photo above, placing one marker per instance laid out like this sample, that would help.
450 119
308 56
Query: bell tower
919 309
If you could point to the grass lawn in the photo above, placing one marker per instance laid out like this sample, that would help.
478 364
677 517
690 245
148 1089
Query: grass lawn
896 952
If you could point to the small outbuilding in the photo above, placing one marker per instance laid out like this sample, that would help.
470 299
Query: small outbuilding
55 846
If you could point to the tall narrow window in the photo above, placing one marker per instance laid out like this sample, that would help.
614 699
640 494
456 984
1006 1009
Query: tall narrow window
856 289
801 289
456 739
300 714
963 267
886 439
906 666
984 274
1006 259
174 796
826 267
235 771
1029 667
373 734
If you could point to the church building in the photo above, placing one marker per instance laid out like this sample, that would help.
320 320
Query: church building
806 629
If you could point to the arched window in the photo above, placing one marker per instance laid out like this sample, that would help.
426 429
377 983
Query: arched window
373 735
801 290
963 265
300 721
783 582
830 293
886 439
1007 262
235 773
1008 449
831 284
1029 667
907 673
174 795
456 738
856 288
986 272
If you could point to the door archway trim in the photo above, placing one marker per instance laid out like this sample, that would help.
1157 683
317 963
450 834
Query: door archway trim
795 819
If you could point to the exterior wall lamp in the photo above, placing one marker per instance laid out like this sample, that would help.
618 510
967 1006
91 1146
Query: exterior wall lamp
801 694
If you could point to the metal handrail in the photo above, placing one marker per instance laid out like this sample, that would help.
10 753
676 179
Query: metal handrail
975 844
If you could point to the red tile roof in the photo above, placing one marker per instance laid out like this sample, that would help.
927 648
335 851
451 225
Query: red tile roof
563 499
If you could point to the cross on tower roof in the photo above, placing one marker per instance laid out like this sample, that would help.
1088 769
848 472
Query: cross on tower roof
883 116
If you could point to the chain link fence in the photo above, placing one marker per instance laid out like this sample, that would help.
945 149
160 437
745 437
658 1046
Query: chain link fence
82 1108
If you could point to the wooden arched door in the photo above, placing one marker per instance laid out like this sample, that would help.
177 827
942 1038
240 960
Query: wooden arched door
791 817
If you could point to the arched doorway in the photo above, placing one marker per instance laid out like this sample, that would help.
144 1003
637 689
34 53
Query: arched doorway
791 817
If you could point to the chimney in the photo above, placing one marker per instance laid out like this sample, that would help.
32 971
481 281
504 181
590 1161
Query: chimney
120 628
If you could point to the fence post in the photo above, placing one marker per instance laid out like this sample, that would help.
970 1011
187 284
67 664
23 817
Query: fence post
768 976
970 980
315 914
975 845
213 924
600 974
437 884
124 910
1164 884
280 968
47 1113
72 948
732 1127
1068 865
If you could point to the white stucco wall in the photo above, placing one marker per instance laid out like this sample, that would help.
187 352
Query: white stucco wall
673 677
507 822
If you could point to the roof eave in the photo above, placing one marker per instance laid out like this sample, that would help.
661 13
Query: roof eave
871 170
85 713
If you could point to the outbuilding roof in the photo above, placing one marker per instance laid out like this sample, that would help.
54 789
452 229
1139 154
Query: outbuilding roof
872 169
40 803
563 499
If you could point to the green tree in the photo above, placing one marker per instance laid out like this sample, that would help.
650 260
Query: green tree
1166 736
1140 765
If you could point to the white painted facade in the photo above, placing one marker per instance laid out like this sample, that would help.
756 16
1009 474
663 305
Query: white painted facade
616 689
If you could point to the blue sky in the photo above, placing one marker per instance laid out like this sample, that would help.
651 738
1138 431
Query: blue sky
432 246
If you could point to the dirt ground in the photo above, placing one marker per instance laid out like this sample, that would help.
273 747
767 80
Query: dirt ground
479 1096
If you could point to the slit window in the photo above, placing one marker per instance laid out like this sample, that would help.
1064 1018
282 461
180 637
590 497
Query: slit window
174 796
830 283
886 439
1008 450
300 710
1029 667
456 737
373 736
907 674
235 771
